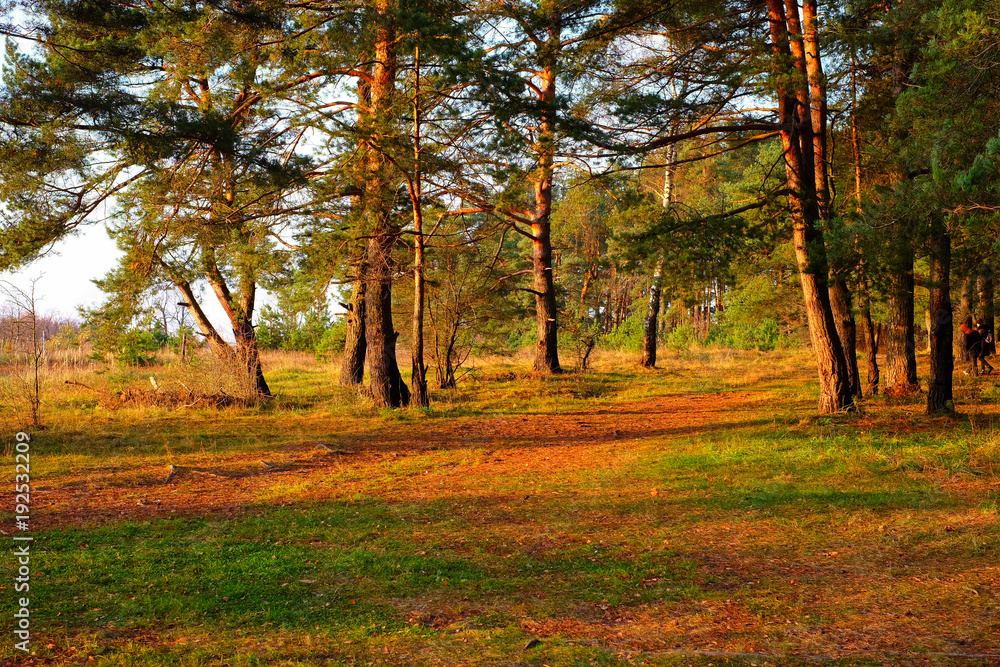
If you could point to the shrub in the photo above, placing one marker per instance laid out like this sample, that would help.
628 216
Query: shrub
629 335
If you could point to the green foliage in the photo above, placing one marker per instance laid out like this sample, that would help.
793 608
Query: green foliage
288 327
764 335
627 336
138 347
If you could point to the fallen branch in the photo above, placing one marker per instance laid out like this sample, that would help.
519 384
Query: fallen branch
80 384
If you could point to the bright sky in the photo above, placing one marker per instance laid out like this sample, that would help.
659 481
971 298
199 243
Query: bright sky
67 272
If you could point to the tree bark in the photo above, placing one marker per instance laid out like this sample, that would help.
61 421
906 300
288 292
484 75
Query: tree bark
419 370
900 347
964 310
939 386
871 341
810 251
650 330
240 313
984 287
547 349
352 369
847 331
387 386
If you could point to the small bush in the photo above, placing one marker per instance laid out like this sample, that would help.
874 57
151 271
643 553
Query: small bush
138 347
682 337
629 335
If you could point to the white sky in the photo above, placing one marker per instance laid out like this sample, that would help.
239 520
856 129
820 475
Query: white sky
66 274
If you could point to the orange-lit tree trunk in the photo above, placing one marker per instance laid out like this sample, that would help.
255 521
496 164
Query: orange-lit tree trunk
871 341
352 369
547 349
794 107
900 350
387 386
419 375
840 295
239 309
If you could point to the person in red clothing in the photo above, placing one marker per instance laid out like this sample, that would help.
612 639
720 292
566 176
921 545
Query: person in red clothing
973 343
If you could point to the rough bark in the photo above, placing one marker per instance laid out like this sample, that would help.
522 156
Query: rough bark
239 310
984 287
419 369
817 107
939 387
900 347
547 349
963 310
387 386
652 312
847 331
352 369
871 341
810 251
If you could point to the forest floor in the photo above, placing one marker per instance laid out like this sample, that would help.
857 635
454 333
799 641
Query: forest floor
696 514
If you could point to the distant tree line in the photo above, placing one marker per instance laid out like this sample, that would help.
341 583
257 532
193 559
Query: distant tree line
671 169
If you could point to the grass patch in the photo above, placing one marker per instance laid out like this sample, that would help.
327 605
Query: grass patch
691 515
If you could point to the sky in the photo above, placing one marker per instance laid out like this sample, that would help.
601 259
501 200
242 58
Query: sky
66 273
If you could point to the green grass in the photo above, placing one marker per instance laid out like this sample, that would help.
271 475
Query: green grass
757 535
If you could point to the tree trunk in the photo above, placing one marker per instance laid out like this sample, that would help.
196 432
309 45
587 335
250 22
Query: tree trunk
248 355
847 331
649 325
653 310
240 313
418 378
900 348
871 341
984 286
352 369
939 386
964 310
547 349
810 251
387 386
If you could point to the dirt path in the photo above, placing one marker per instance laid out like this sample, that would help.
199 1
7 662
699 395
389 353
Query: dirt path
227 483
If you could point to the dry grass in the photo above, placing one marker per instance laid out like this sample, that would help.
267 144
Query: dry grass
692 514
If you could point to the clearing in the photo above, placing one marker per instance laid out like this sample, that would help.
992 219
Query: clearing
696 514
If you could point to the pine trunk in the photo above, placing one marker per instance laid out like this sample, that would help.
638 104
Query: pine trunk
418 379
387 386
847 330
352 369
239 310
547 349
900 347
871 342
939 385
984 286
810 250
652 312
247 354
